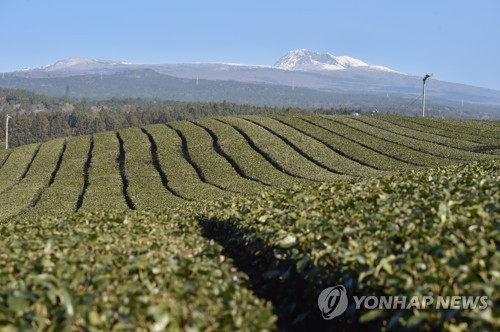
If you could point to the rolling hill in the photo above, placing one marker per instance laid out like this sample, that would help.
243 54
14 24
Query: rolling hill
300 78
165 165
239 222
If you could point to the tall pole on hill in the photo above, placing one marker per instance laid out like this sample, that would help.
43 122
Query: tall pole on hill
7 132
423 93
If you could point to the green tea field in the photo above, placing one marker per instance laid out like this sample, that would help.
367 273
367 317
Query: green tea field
238 223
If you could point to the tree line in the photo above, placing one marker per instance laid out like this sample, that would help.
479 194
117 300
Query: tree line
37 118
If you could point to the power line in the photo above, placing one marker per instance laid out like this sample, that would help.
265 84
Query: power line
413 102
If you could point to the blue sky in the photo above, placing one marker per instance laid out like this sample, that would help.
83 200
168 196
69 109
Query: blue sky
459 41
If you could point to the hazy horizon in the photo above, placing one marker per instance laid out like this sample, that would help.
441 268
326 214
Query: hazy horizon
452 39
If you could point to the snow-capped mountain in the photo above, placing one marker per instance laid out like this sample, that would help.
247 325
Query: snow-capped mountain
78 64
296 69
312 61
300 60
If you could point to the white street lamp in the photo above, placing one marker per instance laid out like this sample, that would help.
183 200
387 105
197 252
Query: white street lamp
7 132
423 93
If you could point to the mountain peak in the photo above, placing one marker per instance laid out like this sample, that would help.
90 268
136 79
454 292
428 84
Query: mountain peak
76 64
306 60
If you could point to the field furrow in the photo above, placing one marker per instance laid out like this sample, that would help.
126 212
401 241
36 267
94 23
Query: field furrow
475 128
397 126
251 161
17 165
441 130
53 174
427 142
146 188
281 154
86 176
217 147
262 153
156 163
391 148
58 165
298 143
356 150
187 156
31 162
435 150
105 186
121 167
360 146
479 147
25 193
215 168
62 194
416 149
349 164
178 168
239 223
4 156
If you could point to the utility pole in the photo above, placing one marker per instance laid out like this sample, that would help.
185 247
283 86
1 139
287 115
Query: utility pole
423 93
7 132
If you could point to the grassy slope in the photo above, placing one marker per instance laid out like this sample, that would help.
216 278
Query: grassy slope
161 166
165 166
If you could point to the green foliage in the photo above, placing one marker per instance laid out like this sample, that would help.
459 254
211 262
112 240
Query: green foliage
180 173
413 232
315 148
442 129
26 192
391 145
62 196
455 148
215 168
473 127
251 162
105 190
314 126
427 147
3 157
425 232
111 271
154 168
283 155
16 165
144 183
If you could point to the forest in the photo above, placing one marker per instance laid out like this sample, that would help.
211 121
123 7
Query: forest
38 118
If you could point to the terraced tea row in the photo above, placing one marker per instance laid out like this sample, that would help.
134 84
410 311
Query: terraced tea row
251 161
427 232
16 165
458 149
62 195
26 192
174 159
279 151
421 232
108 271
437 151
165 165
489 145
472 134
